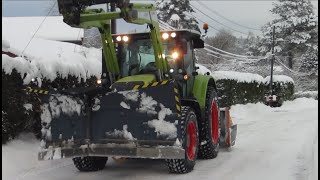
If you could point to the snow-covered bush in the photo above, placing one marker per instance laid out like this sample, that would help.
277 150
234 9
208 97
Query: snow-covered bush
56 67
238 88
282 86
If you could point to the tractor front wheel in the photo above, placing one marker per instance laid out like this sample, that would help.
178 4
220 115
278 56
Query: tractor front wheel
90 163
189 129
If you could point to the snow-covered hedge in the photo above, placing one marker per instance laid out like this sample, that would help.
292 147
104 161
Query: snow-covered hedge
236 87
55 65
247 88
282 85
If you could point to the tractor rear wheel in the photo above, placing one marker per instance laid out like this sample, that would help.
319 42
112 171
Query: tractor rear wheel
210 127
190 141
90 163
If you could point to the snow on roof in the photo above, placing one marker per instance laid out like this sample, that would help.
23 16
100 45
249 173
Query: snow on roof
238 76
279 78
53 28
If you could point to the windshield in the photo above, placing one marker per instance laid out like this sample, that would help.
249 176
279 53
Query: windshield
137 56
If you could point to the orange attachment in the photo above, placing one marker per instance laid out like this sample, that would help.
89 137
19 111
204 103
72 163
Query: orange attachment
205 26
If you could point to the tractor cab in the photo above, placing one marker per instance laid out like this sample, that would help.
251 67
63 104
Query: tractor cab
137 62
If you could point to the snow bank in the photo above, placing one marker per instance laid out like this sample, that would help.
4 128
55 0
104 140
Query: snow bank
237 76
307 94
19 156
279 78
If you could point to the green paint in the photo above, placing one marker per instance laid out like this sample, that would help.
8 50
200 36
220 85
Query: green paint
200 89
146 78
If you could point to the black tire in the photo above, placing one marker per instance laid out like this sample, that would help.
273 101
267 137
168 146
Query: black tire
208 149
188 126
90 163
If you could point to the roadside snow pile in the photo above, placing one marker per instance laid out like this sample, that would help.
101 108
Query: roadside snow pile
237 76
19 156
279 78
307 94
57 58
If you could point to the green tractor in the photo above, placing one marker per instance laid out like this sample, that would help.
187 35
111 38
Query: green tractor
149 103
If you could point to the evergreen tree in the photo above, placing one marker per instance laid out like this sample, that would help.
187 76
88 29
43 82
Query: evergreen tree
295 25
177 13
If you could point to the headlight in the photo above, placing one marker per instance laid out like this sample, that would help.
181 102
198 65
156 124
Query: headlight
165 36
118 38
125 38
173 35
175 55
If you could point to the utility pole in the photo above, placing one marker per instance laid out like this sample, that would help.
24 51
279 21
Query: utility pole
272 59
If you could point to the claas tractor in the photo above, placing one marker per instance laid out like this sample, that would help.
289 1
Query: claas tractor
149 103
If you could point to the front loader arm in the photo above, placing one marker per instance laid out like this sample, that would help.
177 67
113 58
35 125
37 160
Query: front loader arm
76 15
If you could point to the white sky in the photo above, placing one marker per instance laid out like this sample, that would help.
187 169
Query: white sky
254 13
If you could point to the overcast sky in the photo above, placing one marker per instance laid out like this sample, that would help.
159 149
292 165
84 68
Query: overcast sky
243 14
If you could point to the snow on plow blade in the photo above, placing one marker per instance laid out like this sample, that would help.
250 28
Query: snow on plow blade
134 120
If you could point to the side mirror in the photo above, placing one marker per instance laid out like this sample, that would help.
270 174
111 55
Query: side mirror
198 43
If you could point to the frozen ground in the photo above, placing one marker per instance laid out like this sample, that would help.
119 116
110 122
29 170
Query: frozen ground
272 143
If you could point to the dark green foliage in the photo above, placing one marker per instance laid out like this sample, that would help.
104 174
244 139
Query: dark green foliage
283 89
231 92
15 117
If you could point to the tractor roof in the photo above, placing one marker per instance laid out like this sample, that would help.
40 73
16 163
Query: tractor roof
186 33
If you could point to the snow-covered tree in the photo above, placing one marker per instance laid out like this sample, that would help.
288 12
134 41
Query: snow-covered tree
177 13
310 61
295 27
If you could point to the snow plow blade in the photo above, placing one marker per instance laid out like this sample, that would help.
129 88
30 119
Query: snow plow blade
133 120
228 129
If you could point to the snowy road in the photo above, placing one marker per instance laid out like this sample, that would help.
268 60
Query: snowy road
272 143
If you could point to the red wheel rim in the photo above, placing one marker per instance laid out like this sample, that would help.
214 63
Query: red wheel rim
214 123
191 140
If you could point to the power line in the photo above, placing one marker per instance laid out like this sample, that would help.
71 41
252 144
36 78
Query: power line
217 21
39 27
215 12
